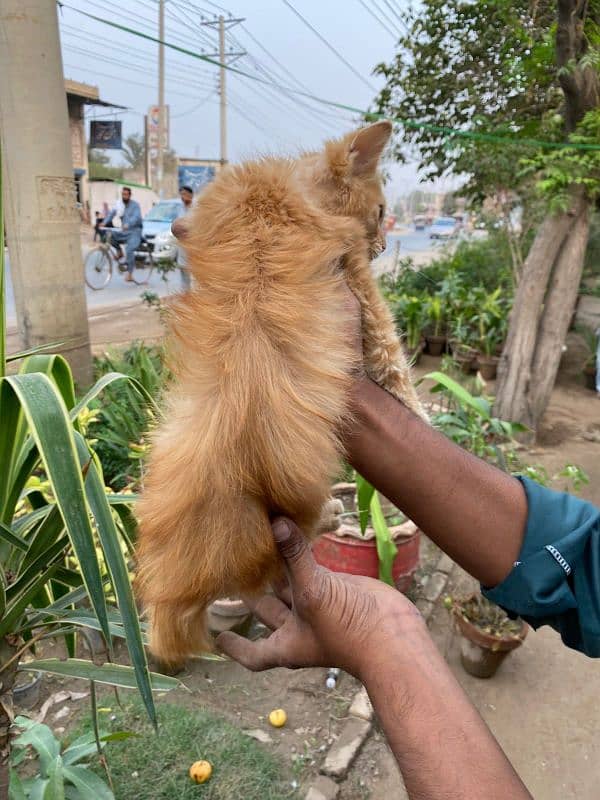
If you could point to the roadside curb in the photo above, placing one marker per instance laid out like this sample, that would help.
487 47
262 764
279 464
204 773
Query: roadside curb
359 724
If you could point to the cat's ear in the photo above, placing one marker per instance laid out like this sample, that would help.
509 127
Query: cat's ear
366 147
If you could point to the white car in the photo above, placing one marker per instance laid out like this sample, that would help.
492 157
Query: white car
443 228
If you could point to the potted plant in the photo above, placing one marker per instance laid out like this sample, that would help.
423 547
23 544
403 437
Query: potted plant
487 634
590 365
388 552
461 340
410 315
435 336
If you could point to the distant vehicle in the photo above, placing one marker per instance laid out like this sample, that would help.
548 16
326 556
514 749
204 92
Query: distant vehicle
443 228
420 222
156 228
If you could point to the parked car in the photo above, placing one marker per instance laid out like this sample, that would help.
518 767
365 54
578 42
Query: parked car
443 228
156 228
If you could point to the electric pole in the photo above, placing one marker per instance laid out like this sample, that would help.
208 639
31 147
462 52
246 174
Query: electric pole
225 58
42 220
161 96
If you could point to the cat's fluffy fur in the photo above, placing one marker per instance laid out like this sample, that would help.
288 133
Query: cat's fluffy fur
264 363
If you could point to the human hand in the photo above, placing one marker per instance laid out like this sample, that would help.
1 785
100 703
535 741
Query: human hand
323 618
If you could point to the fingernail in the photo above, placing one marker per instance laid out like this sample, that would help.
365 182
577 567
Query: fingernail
281 530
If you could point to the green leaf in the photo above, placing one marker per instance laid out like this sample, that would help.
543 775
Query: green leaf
17 608
41 738
38 789
464 397
89 785
55 790
15 789
111 674
105 381
82 747
115 561
7 534
386 549
364 493
54 437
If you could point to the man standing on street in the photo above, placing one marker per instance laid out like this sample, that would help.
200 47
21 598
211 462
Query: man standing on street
186 193
130 233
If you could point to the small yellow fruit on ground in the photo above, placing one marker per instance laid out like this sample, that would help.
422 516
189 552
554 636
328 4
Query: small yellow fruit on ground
200 771
278 718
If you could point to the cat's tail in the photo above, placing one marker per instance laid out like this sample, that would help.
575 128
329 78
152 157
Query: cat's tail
191 554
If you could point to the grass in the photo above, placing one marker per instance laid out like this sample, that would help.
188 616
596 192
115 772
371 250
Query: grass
155 767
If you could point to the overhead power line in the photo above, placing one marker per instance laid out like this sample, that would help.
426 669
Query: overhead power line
386 17
442 130
328 44
370 11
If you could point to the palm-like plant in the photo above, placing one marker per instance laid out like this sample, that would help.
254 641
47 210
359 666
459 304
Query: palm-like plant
42 529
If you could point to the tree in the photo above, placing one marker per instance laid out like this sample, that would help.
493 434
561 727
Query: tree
134 151
477 84
100 167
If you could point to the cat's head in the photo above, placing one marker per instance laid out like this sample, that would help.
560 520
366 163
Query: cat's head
346 181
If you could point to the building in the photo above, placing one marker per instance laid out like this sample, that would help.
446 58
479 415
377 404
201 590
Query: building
80 95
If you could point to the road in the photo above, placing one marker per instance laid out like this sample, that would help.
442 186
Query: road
118 292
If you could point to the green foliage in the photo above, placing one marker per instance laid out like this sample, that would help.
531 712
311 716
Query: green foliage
60 773
560 171
467 419
369 506
150 767
55 512
123 416
467 294
485 66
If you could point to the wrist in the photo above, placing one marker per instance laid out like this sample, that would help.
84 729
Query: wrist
398 640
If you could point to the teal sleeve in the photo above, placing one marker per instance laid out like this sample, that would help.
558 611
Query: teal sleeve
556 580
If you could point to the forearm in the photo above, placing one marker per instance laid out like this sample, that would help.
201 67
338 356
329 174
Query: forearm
474 512
443 748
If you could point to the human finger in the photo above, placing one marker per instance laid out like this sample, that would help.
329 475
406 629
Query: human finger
282 589
256 656
270 610
295 551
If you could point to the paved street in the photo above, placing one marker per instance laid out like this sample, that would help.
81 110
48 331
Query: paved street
414 244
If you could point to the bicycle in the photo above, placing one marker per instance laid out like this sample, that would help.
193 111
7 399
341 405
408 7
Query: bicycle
107 257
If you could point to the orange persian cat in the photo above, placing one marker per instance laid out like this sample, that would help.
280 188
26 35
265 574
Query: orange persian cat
263 366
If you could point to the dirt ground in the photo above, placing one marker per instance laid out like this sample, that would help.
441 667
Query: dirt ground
542 705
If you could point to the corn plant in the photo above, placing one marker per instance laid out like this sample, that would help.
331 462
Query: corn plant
370 507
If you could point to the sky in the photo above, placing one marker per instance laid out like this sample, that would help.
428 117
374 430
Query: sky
279 47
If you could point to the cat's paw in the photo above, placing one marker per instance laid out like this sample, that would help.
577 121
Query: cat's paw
330 520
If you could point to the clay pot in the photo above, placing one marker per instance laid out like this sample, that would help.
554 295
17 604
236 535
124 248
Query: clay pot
26 691
482 653
435 344
357 556
488 366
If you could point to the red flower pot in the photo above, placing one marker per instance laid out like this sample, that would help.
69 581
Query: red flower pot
359 556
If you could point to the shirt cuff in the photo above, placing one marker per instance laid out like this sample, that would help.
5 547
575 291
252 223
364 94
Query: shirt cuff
556 579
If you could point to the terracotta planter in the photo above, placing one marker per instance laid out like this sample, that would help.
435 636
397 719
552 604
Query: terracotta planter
488 366
435 344
359 556
482 653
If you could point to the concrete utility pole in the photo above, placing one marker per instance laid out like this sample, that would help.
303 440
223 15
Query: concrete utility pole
161 96
42 220
225 58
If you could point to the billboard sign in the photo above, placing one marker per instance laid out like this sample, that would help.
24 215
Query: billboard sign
105 134
196 175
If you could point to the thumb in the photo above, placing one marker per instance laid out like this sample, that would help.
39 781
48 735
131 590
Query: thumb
295 551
